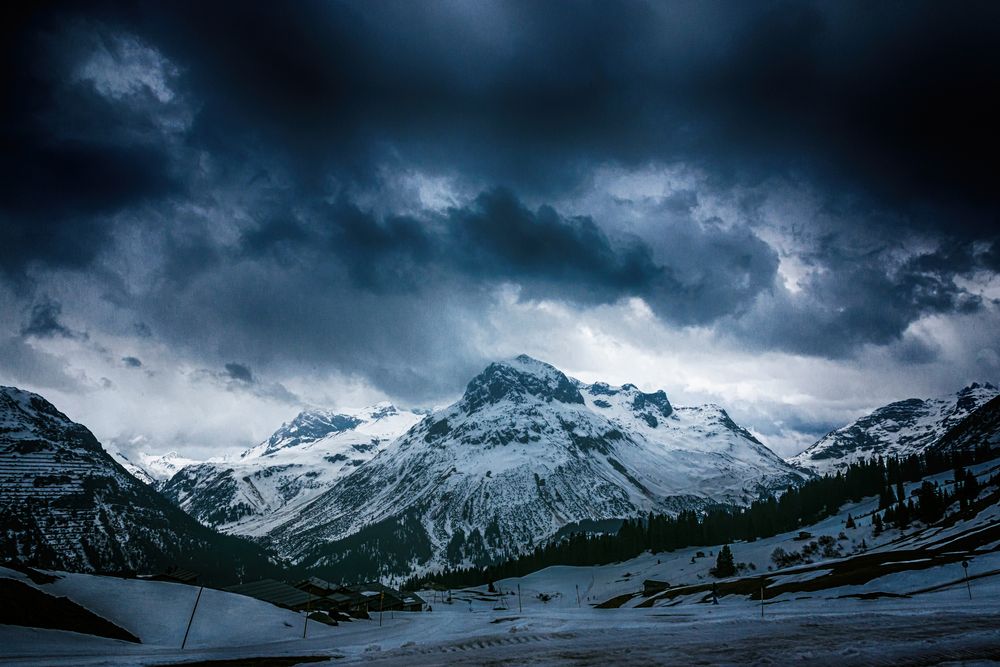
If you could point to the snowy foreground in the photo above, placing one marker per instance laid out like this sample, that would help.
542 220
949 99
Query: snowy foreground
893 599
940 626
944 628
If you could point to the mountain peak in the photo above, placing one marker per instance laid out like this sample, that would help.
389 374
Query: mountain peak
381 410
978 387
30 403
971 397
518 380
309 425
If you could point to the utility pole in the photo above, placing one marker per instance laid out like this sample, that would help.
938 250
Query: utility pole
577 595
520 609
381 604
762 598
965 566
191 620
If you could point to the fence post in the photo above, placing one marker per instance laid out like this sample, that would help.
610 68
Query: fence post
305 626
191 620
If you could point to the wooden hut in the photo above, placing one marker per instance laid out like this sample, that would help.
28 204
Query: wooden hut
281 595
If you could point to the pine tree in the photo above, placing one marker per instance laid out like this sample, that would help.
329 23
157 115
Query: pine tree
850 521
725 565
970 486
877 524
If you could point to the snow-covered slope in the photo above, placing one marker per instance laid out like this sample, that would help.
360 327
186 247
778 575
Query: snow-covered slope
134 469
269 483
162 467
158 613
525 452
66 503
898 429
981 428
152 469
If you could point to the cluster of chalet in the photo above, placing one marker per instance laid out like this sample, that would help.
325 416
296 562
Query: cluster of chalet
315 595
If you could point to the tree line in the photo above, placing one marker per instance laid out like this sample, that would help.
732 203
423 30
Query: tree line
797 506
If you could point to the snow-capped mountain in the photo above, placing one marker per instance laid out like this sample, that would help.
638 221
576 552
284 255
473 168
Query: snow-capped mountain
133 468
525 452
65 503
162 467
270 482
981 428
898 429
152 469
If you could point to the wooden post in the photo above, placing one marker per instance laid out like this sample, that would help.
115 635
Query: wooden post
520 609
762 598
381 604
965 566
191 620
577 595
305 625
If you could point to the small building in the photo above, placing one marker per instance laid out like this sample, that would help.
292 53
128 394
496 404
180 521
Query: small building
346 602
281 595
413 602
652 587
380 597
177 576
316 586
337 597
355 601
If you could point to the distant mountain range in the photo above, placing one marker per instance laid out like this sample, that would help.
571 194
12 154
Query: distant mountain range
155 470
270 483
66 504
898 429
526 454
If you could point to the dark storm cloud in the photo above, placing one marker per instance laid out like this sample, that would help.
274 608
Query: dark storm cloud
237 377
862 300
132 362
239 372
494 238
868 89
497 238
224 145
273 234
71 158
44 322
888 103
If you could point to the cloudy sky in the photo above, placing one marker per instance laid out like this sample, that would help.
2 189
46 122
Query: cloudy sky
213 214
